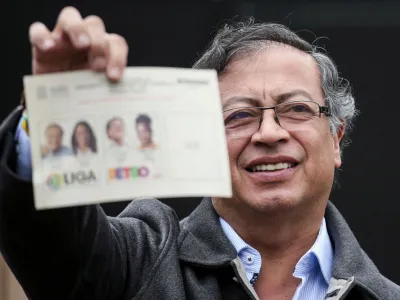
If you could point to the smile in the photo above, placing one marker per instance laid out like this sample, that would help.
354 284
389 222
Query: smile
270 167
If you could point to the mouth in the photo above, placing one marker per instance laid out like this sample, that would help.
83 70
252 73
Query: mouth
271 167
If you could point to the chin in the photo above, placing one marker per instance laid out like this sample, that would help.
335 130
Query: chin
272 203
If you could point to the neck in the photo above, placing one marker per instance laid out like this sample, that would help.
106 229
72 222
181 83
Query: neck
281 237
55 150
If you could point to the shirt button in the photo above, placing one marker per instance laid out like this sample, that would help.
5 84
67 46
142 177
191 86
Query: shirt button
250 259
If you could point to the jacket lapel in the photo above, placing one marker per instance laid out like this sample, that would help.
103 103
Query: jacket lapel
351 266
202 241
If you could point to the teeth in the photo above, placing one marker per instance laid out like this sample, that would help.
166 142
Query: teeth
271 167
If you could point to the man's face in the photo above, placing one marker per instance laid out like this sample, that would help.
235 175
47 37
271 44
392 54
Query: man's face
311 149
116 131
144 134
54 138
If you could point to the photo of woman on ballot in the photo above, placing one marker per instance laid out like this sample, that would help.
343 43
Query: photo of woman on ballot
84 144
147 147
144 132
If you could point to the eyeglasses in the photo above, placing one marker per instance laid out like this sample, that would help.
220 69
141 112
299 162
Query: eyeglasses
245 121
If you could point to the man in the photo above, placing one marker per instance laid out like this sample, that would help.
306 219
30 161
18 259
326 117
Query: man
286 115
116 132
54 148
118 148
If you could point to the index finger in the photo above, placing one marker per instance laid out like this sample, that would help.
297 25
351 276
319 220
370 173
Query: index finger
40 36
70 22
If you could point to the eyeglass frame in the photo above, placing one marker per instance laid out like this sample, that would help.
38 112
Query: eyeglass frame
323 109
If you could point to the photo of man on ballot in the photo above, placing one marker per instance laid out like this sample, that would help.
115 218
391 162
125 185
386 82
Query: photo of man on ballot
116 147
115 129
54 148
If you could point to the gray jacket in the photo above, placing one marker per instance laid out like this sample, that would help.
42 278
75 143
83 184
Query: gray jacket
145 253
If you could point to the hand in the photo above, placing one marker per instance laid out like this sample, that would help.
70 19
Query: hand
77 44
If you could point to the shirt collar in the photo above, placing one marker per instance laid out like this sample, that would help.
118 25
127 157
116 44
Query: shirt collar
235 239
320 254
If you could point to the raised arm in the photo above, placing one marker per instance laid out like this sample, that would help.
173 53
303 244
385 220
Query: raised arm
77 252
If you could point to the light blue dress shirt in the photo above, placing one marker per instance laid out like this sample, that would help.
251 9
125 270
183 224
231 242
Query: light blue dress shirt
314 268
62 151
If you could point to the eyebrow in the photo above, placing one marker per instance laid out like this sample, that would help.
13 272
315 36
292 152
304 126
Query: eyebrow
298 92
255 102
242 100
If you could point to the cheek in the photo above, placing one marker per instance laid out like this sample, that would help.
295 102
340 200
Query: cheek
319 153
316 140
236 148
82 137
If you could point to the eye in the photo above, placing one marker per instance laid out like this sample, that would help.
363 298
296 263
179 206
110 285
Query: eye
241 115
300 108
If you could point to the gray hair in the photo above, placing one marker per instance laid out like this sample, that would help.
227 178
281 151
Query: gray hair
243 38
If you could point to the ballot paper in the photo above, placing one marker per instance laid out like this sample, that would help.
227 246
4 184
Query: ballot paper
157 133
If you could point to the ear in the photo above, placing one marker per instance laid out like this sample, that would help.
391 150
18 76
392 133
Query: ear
337 138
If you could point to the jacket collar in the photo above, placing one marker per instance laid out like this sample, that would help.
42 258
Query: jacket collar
349 259
203 242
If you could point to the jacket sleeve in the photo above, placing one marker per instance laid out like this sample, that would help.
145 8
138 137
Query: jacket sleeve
75 252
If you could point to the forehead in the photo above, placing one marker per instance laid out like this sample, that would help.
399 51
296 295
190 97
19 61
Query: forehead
266 74
142 125
116 122
81 127
53 130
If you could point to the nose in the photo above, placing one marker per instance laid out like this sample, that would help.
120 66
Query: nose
270 131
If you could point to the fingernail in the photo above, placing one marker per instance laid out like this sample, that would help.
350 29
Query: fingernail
99 63
83 40
47 44
114 72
